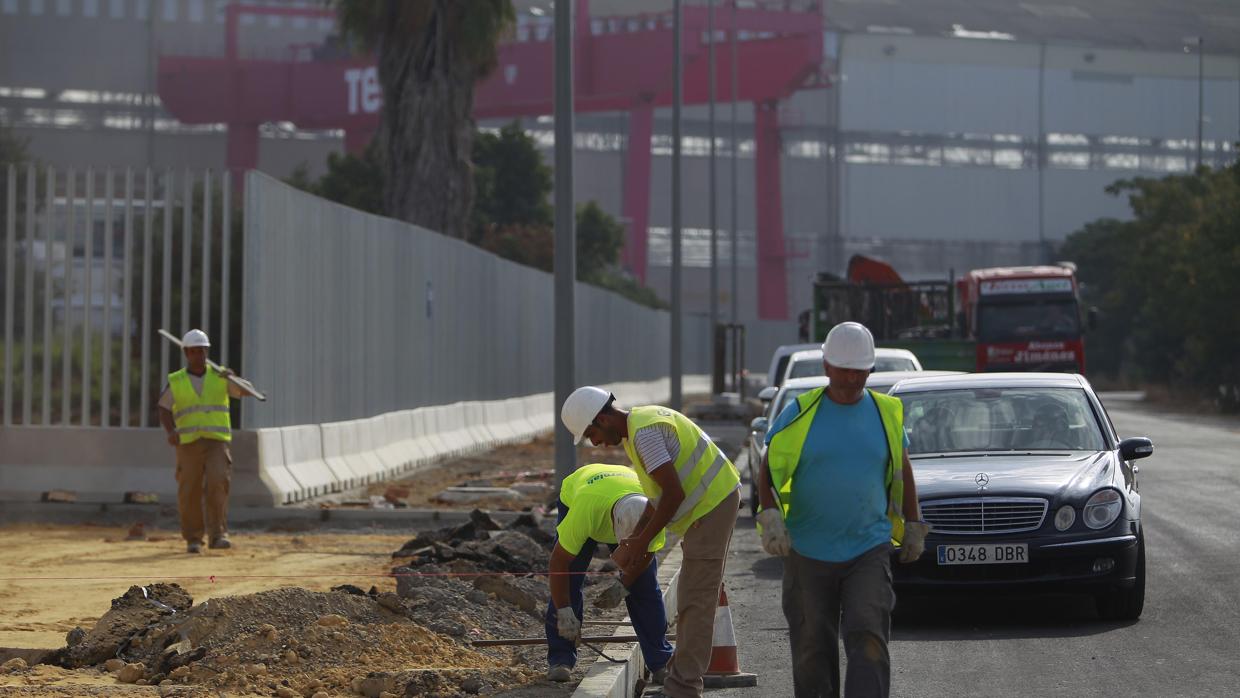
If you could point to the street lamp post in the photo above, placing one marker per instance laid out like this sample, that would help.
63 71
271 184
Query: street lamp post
1199 42
565 239
677 98
716 372
1201 92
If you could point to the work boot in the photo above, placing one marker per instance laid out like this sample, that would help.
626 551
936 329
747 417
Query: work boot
221 543
193 547
559 673
658 677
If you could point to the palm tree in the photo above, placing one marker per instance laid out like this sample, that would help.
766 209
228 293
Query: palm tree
430 53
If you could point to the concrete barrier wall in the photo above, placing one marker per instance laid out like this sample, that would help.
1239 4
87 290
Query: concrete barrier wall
285 465
101 464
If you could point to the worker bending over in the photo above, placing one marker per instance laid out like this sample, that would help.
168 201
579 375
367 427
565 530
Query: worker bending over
602 504
694 493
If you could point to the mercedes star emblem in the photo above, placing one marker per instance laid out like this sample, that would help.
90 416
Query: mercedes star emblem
982 480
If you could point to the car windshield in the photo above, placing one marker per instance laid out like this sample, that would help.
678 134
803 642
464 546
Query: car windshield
893 363
1000 419
806 368
1002 322
809 368
781 401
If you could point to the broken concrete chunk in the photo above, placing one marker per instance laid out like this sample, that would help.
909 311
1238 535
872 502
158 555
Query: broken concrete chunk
131 673
483 521
141 498
332 620
532 489
61 496
390 601
468 495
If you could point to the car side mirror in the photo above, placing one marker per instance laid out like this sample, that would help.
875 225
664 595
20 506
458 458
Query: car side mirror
768 393
1136 447
759 424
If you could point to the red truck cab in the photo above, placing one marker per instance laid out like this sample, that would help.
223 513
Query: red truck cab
1024 318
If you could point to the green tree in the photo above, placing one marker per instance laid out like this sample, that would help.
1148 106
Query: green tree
599 240
352 180
512 182
1165 281
13 151
431 54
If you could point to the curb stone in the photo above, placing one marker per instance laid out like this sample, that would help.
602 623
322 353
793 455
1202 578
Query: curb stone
606 679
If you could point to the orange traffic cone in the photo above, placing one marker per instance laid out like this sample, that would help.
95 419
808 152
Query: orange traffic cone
724 670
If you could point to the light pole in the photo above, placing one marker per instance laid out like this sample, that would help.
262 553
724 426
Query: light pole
1201 97
1199 42
565 238
677 98
735 148
715 371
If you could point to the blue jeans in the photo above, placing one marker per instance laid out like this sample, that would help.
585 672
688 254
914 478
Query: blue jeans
645 604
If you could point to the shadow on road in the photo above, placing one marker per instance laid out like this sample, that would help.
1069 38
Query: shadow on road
768 568
981 616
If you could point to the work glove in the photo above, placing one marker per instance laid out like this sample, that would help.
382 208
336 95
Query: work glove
612 595
775 540
567 624
914 543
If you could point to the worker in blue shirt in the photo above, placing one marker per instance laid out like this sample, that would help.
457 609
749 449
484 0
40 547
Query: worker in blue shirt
837 492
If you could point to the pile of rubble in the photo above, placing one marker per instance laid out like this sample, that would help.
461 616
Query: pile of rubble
287 642
474 581
483 545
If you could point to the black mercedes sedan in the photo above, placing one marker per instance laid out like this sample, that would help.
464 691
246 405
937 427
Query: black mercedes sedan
1027 487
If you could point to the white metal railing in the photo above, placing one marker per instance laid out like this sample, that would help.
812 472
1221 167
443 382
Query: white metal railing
91 269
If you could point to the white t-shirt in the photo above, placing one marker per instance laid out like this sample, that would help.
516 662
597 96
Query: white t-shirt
655 445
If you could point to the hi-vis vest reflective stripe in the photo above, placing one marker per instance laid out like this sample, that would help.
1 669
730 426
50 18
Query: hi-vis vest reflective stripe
706 475
785 453
200 416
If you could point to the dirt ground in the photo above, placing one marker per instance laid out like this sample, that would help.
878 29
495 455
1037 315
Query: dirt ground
417 639
39 613
499 468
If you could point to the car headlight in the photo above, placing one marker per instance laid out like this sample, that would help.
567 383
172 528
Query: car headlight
1065 517
1102 509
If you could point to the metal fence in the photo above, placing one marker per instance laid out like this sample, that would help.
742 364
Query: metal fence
94 261
348 315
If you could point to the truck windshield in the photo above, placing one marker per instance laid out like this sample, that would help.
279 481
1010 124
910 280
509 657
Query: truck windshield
1028 320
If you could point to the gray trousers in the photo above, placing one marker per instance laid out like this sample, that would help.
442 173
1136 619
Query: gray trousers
816 594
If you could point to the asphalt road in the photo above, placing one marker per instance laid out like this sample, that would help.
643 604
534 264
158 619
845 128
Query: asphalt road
1187 642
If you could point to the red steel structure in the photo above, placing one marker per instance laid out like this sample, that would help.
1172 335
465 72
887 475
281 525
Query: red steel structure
623 64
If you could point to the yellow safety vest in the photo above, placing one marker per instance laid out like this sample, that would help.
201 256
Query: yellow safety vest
203 416
590 493
784 453
706 475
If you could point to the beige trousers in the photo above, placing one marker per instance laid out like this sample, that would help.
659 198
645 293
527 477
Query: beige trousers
705 548
203 468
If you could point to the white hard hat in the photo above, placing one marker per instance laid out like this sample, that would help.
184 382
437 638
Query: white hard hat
195 338
581 408
849 345
626 513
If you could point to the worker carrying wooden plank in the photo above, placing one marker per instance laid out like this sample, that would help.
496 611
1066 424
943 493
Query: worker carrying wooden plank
194 411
